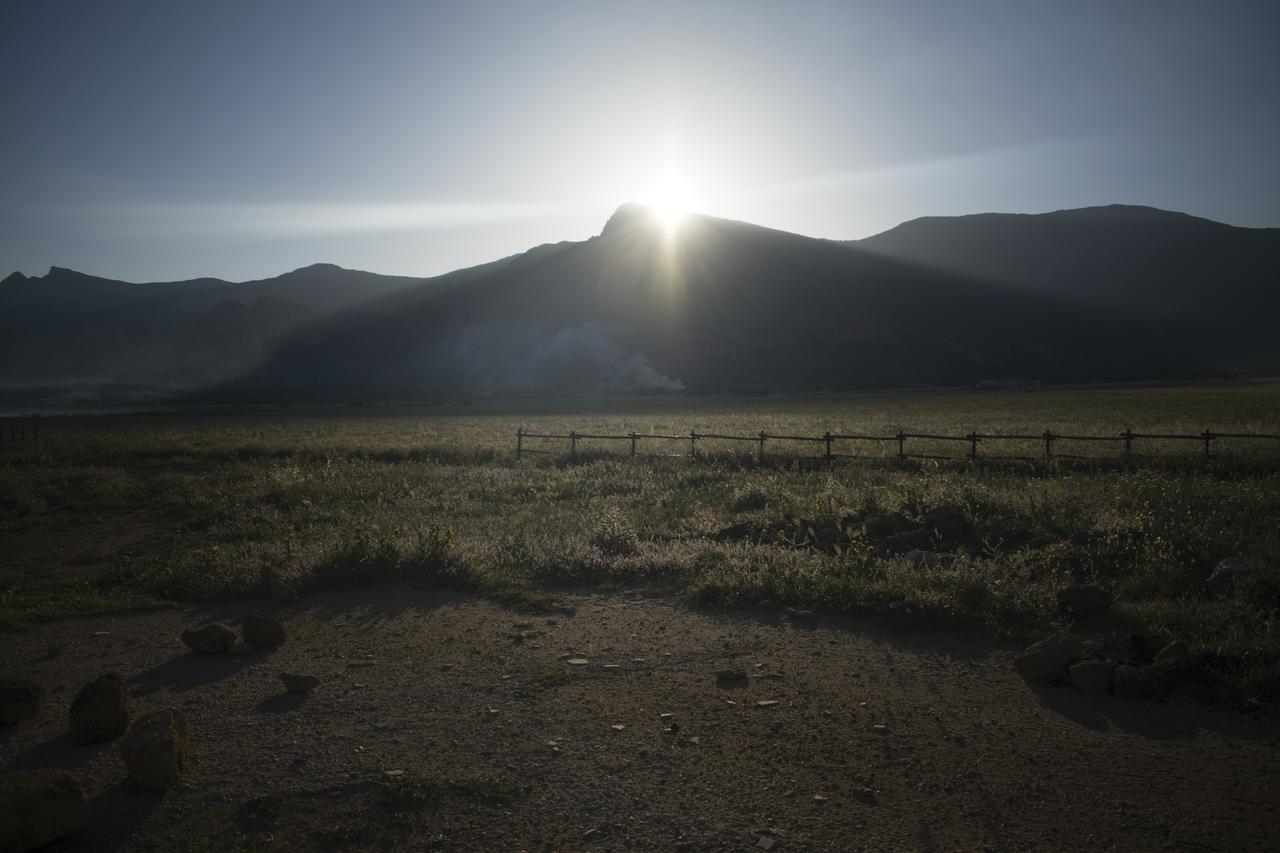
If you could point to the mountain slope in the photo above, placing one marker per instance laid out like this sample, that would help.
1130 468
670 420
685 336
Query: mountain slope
715 306
1215 285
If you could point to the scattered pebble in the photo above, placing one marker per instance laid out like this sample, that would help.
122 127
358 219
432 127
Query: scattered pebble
767 703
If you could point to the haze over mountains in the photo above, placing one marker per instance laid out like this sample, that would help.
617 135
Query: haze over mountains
1098 294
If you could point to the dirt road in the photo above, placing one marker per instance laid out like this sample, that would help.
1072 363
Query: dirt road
843 737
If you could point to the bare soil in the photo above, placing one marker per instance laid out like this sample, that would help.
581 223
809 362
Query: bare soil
879 738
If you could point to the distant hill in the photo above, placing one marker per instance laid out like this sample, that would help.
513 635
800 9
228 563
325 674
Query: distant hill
1100 294
1214 286
67 335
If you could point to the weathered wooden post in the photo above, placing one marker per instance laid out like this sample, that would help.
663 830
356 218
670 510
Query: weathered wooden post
762 437
1127 435
633 444
973 446
573 443
1208 449
827 439
693 444
1048 444
519 441
902 445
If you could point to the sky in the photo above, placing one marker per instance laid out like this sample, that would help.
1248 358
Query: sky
168 140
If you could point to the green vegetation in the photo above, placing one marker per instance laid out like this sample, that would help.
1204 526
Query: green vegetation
130 511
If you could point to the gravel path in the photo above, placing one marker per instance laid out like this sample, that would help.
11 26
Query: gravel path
843 737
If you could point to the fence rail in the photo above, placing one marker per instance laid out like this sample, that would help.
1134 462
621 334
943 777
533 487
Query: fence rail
1047 438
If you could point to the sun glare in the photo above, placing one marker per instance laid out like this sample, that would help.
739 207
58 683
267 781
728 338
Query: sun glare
671 200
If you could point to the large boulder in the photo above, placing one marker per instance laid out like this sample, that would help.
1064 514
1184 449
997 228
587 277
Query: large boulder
263 632
211 639
157 749
1084 600
1093 675
883 526
20 700
949 524
1045 661
37 807
1233 570
100 710
1131 682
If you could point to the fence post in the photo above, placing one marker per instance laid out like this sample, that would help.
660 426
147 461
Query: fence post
693 444
1208 450
573 443
902 445
973 446
1048 444
827 439
762 445
519 441
633 444
1128 441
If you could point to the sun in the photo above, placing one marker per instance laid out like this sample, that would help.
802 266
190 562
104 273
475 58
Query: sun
671 200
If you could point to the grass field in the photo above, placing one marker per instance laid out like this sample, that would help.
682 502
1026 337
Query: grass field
115 512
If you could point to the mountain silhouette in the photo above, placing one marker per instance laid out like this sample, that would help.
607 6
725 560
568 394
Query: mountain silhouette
712 306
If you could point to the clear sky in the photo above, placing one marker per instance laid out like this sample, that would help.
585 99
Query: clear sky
165 140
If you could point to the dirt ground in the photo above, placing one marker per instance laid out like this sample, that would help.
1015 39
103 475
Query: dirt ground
879 738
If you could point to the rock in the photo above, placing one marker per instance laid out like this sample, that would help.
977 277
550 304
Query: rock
1231 571
37 807
1084 600
578 662
1043 662
1094 648
912 540
1093 675
157 749
294 683
764 842
731 675
20 700
263 632
1144 648
211 639
100 710
884 526
1130 682
1171 672
949 524
767 703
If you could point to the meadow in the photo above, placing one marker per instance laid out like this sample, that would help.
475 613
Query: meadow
114 512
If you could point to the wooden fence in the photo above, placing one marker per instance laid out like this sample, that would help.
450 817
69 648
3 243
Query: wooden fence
16 437
1050 441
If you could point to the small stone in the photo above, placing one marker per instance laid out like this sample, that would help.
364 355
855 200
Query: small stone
393 774
1093 675
37 807
766 843
880 729
211 639
295 683
767 703
156 749
578 662
731 675
100 710
263 632
1043 662
20 700
818 798
866 795
617 727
